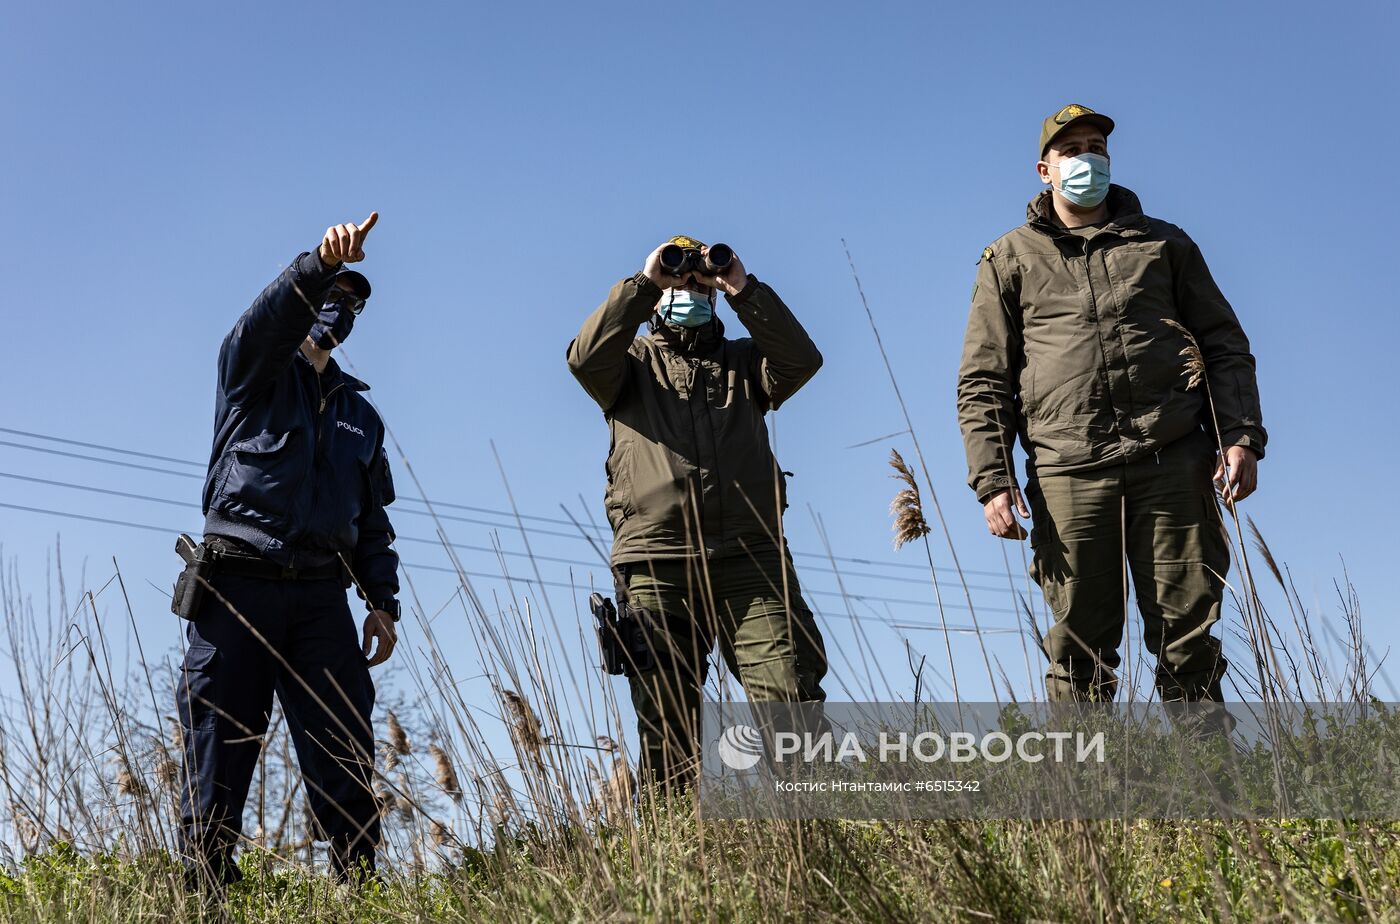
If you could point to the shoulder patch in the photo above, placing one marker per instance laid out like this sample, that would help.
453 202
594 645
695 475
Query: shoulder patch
987 254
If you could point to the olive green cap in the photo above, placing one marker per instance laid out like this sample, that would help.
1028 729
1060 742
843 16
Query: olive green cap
1071 115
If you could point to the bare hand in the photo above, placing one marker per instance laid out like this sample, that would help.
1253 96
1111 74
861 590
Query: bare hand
732 281
380 625
345 243
1242 465
653 271
1001 520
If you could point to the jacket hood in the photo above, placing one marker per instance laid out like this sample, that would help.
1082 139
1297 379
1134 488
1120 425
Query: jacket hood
1124 211
687 341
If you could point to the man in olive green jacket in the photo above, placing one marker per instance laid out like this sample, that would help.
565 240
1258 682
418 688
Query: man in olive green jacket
1069 344
695 495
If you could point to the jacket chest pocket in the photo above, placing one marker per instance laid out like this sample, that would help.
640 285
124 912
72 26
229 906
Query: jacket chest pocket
1141 278
263 473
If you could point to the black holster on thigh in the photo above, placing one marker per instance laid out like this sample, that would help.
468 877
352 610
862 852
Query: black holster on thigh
189 591
624 639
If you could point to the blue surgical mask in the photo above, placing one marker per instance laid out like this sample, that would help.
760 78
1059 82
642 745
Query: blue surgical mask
686 308
1084 179
334 320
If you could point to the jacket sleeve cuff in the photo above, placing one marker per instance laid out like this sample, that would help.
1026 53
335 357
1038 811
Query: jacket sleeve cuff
1250 437
382 586
645 286
747 292
990 485
380 594
310 269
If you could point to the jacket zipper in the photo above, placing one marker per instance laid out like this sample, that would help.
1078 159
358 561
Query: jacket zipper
696 377
320 415
321 411
1094 302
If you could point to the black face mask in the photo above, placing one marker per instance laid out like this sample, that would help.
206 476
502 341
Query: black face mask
336 318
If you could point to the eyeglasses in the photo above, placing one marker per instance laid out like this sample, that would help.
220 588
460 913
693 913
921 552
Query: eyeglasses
348 300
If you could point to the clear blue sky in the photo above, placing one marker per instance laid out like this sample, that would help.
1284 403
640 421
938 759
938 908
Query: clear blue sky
163 161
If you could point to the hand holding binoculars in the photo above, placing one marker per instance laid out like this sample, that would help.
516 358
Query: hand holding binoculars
682 261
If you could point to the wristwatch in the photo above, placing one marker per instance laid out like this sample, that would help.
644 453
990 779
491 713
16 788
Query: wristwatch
390 606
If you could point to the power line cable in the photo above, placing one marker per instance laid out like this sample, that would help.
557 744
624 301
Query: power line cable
125 452
825 593
419 500
74 455
459 545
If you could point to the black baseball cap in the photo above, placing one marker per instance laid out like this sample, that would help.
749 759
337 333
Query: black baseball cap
358 283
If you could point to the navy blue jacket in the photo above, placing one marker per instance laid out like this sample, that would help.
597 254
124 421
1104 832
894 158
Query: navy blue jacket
298 469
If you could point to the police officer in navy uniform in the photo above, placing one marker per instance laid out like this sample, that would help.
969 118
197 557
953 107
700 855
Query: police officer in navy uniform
294 505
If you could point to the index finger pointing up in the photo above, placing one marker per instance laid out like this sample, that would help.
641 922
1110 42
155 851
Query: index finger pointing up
369 222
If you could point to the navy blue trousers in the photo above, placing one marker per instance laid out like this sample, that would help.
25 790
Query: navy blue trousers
304 646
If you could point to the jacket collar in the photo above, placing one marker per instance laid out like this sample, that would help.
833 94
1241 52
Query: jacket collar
686 341
1125 216
334 374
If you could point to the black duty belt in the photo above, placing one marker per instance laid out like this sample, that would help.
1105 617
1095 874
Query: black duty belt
228 557
247 566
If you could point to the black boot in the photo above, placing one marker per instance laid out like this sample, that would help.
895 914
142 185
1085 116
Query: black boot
211 872
352 862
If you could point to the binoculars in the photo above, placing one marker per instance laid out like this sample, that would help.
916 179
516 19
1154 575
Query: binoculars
680 261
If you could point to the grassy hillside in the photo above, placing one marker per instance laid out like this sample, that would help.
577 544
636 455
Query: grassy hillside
674 868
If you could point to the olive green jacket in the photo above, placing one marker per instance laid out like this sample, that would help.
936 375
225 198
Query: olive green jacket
690 470
1067 344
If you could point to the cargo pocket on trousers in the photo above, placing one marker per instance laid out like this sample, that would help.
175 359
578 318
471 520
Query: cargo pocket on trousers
1215 539
1049 576
196 690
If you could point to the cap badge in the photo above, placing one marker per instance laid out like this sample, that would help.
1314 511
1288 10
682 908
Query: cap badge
1072 111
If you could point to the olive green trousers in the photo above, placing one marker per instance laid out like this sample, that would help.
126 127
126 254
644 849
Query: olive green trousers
1157 519
752 606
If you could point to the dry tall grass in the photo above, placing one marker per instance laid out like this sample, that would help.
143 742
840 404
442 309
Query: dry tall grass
554 830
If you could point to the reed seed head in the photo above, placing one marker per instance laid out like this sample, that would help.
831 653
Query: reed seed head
502 810
907 508
129 784
1195 367
614 795
524 725
177 735
167 773
398 738
445 773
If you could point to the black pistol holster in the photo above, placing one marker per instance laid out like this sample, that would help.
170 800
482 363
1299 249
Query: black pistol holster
217 555
191 585
624 634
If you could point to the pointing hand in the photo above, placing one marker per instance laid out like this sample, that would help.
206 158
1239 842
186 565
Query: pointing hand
345 243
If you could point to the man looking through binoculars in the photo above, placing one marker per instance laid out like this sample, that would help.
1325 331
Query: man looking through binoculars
695 495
